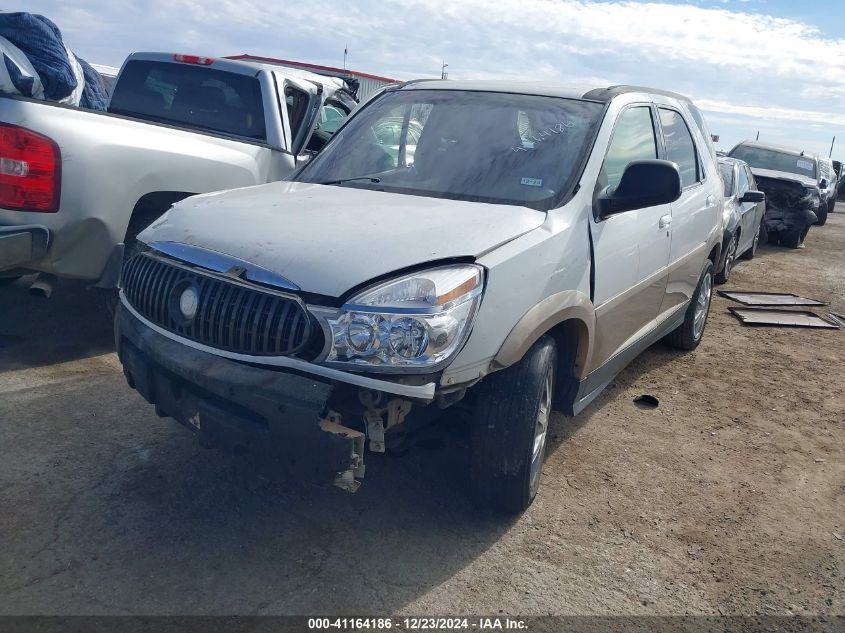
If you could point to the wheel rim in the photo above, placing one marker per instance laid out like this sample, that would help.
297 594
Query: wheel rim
730 257
541 429
702 306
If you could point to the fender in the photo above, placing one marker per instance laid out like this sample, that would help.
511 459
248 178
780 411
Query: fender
551 311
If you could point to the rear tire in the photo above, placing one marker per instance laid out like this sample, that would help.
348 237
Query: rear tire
688 335
752 250
509 430
730 258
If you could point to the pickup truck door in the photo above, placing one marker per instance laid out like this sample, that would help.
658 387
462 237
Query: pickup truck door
631 249
301 101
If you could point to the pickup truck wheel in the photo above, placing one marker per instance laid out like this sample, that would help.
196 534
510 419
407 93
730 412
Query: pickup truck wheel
509 430
821 214
730 258
688 335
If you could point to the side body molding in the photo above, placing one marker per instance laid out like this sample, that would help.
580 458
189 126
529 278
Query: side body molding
551 311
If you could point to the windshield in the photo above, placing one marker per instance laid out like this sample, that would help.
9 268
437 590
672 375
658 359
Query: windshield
727 171
191 96
777 161
477 146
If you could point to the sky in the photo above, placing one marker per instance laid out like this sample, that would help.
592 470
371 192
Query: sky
773 66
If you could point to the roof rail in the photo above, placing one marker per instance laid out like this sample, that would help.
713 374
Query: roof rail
410 82
606 94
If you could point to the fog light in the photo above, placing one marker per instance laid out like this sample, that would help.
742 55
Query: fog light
408 337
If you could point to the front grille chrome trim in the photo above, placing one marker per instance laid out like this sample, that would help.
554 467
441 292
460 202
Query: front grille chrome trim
281 323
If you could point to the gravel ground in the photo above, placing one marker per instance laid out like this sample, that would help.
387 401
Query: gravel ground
727 499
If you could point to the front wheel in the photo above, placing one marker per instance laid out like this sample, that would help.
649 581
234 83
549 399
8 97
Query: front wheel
821 214
792 238
510 428
688 335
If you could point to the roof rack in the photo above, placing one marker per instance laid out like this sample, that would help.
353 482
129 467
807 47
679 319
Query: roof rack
606 94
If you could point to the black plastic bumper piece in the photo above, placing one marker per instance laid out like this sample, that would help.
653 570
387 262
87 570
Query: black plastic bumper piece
234 405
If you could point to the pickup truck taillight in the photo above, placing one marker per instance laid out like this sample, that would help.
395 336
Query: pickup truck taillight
30 170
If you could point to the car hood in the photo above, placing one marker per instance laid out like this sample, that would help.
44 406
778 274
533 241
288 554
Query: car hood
329 239
784 175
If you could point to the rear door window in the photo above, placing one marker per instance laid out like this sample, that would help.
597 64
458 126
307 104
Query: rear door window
680 148
633 139
191 96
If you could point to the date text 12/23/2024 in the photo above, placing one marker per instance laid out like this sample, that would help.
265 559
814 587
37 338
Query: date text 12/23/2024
482 624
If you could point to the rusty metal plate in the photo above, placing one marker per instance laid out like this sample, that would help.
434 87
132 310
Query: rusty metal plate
769 298
781 318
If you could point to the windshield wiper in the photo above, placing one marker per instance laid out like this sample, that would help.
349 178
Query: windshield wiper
340 181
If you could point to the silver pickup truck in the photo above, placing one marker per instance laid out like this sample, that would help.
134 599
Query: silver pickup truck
76 185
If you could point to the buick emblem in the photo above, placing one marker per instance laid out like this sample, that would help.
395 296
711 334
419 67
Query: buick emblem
188 302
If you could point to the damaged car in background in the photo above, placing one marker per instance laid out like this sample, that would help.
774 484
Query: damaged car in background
789 178
742 217
511 246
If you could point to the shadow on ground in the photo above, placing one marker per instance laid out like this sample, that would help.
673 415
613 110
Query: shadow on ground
34 331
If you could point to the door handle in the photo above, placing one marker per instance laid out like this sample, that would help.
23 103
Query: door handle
665 221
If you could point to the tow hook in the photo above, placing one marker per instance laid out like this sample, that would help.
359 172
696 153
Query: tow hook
348 479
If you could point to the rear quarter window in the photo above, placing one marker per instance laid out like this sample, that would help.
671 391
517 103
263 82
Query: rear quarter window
191 96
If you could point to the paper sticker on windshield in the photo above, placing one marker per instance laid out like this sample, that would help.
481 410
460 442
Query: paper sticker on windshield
531 182
805 164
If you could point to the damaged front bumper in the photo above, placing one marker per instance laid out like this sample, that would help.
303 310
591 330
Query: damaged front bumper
789 205
276 412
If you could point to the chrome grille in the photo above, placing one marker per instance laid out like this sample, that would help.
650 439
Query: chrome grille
230 315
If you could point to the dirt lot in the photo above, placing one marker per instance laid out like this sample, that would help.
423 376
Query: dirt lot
729 498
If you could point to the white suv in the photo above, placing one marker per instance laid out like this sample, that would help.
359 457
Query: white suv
517 245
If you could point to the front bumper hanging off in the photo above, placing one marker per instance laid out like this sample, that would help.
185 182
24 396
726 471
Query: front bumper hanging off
277 413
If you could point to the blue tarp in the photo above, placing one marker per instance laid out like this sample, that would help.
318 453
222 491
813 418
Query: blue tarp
41 41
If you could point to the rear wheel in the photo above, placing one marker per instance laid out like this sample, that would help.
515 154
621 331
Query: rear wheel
510 428
752 250
688 335
730 258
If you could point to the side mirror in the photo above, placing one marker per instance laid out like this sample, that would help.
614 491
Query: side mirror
823 183
645 183
753 196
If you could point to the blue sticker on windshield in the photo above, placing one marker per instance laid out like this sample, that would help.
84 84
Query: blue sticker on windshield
531 182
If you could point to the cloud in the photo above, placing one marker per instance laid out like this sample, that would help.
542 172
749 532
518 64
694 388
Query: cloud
735 60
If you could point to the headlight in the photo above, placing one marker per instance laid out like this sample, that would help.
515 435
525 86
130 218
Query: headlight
414 322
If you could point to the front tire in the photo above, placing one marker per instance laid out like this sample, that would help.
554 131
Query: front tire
821 214
510 428
688 335
791 239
